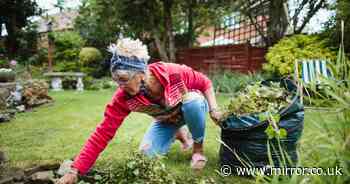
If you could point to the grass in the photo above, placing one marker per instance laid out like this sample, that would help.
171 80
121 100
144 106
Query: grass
55 132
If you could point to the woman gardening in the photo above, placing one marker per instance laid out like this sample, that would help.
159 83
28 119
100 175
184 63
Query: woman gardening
175 95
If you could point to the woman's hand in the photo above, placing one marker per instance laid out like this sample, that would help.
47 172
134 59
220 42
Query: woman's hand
216 115
69 178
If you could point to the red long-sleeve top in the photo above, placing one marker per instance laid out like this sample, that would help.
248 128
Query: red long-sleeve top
171 76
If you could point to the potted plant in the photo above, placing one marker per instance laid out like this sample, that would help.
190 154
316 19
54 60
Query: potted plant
7 75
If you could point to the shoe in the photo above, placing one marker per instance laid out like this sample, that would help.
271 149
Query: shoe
198 161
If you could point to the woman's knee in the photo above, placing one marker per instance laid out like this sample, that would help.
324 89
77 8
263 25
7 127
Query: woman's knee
152 149
146 149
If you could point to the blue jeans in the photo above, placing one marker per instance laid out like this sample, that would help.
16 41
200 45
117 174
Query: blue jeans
160 136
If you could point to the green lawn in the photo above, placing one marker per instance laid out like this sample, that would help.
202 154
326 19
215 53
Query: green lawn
55 132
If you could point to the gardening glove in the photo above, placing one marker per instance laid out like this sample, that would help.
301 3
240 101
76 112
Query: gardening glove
69 178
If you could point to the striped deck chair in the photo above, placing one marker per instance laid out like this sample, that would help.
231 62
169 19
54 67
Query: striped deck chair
312 70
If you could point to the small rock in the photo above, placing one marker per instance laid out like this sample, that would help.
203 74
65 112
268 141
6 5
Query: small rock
65 167
21 108
18 175
43 176
4 117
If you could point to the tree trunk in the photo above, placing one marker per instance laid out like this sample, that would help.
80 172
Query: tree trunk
11 41
167 5
190 29
49 51
162 52
278 23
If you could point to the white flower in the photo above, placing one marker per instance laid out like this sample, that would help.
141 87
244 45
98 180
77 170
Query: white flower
130 48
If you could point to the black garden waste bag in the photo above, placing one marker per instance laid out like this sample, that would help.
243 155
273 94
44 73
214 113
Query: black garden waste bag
244 137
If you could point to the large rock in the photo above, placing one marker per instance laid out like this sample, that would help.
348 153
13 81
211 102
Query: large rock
35 93
7 101
43 177
5 90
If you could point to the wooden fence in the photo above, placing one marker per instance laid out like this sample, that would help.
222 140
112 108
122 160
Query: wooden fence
240 57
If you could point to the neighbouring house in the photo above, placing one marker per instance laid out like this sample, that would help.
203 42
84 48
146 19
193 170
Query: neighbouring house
63 21
238 28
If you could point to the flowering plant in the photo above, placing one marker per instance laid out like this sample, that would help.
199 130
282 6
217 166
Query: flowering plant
13 63
7 75
4 70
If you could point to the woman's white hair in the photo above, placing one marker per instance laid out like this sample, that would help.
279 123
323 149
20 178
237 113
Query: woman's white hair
128 47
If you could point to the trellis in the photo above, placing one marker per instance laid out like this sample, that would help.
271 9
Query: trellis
240 28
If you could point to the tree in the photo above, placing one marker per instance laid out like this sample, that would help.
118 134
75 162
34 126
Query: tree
14 14
281 14
202 14
158 21
60 5
97 24
310 8
333 26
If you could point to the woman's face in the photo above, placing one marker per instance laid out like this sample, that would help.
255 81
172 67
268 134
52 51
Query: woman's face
129 82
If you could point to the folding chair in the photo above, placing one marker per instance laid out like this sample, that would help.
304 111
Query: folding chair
311 72
313 69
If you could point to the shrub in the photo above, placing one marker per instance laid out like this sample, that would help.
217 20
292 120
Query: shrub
39 58
90 59
281 57
88 83
68 66
89 56
66 40
107 84
67 48
7 75
230 82
138 168
4 63
35 71
98 84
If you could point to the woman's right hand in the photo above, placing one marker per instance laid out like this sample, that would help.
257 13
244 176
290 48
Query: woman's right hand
69 178
216 115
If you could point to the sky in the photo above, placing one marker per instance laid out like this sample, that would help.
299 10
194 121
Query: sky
315 24
320 18
49 5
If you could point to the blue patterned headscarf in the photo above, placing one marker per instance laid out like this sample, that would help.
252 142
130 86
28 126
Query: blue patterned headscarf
127 63
129 55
